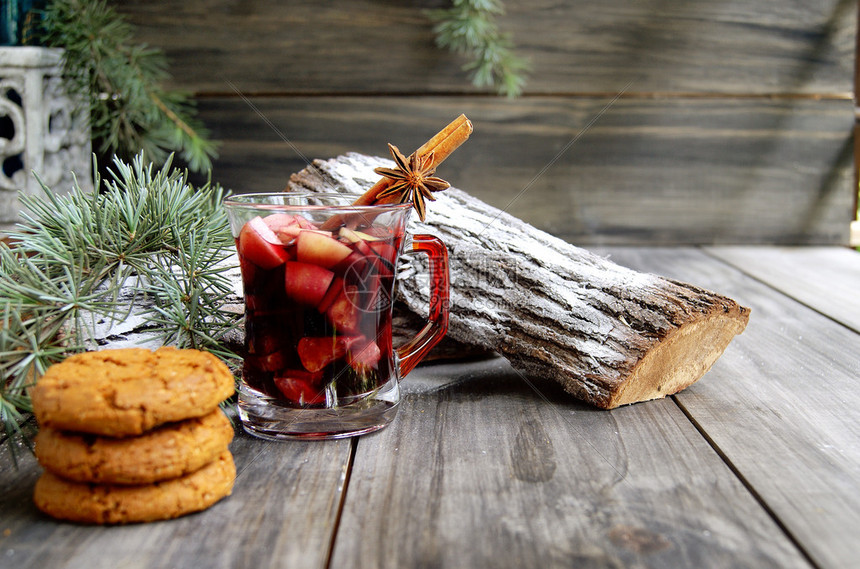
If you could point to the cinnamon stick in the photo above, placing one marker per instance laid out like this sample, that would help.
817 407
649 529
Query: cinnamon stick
442 145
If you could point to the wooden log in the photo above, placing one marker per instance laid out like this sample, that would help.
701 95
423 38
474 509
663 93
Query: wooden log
610 335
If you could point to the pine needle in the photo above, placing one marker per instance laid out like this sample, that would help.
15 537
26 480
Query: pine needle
130 111
469 28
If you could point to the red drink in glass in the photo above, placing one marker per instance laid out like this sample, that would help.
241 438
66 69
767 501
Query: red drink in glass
318 283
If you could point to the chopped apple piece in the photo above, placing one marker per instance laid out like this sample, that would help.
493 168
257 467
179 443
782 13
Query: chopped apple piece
362 247
301 387
364 354
366 236
349 235
317 353
331 294
277 220
266 362
287 226
304 222
354 236
306 283
259 244
320 248
343 313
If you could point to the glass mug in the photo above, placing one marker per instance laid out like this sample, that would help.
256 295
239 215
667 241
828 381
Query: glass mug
319 276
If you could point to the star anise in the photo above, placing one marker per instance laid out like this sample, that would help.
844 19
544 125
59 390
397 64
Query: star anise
413 179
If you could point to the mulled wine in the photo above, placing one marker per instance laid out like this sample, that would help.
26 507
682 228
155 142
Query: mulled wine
319 272
317 308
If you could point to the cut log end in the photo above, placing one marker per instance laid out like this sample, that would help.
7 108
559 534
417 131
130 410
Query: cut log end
680 359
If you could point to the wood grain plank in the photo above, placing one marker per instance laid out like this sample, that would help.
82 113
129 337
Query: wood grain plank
491 471
352 46
282 513
647 172
823 278
781 405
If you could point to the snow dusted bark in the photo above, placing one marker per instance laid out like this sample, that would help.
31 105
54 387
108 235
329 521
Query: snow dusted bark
610 335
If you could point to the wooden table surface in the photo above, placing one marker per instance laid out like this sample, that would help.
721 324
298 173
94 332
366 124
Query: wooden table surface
756 465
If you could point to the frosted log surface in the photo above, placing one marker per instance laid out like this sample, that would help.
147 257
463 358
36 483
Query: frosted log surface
608 334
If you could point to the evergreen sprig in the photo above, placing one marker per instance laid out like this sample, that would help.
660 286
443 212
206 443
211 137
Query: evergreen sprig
122 81
189 289
73 255
469 27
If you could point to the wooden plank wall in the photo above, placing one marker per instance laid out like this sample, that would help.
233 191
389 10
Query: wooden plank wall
643 122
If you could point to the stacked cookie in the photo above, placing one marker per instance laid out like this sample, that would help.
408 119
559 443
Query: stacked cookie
133 435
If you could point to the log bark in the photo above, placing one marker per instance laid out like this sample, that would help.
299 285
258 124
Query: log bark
610 335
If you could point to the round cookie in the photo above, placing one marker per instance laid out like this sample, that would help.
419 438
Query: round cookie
96 504
129 391
169 451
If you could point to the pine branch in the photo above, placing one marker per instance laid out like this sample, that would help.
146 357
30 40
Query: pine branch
73 254
189 288
129 110
469 28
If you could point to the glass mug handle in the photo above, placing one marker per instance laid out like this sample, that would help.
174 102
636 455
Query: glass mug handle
412 352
